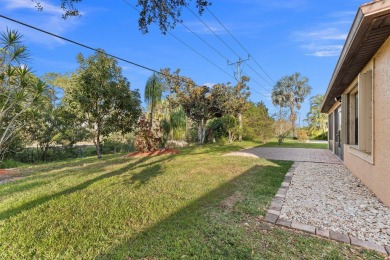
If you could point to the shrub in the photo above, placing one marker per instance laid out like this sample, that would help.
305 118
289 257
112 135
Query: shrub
175 144
9 163
323 136
302 136
148 138
216 129
118 143
282 129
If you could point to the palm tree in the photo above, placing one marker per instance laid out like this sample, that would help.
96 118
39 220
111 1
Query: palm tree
153 93
290 91
316 119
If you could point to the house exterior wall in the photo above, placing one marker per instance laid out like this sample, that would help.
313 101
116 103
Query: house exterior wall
374 169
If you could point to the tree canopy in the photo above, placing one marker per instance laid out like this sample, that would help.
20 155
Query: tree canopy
165 13
20 90
316 119
291 91
101 96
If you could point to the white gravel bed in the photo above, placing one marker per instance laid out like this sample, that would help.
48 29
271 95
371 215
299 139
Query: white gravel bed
328 196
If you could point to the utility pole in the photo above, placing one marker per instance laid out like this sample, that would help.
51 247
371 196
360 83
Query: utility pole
238 75
238 64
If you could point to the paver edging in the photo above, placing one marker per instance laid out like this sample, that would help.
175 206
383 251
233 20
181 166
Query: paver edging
273 216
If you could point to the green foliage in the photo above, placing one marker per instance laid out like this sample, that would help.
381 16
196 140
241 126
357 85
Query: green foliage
101 97
258 125
163 13
323 136
20 90
316 120
118 143
202 103
216 129
177 120
148 137
153 93
231 125
291 91
9 163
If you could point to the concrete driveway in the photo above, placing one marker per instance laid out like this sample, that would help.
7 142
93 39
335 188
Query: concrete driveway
291 154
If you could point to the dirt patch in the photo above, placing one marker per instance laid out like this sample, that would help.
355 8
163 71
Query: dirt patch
7 175
229 202
154 153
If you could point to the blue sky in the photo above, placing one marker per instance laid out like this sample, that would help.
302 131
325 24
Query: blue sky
283 37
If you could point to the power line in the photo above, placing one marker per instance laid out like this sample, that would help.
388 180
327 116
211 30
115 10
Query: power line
259 75
213 32
223 56
188 46
239 43
80 44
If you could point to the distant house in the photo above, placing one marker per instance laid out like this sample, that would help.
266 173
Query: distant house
358 99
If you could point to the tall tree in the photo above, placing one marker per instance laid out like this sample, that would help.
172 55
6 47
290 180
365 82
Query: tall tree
316 119
165 13
200 103
233 103
258 125
101 96
290 91
20 90
153 93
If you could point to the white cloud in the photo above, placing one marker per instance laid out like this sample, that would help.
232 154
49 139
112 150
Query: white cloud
200 28
28 4
325 39
320 34
50 19
326 51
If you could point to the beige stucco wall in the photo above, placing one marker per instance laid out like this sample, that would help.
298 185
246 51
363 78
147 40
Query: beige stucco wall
376 175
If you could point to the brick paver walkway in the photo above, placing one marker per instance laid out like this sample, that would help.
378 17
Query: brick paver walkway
294 154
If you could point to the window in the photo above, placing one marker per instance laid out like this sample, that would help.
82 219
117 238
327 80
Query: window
360 113
353 116
356 130
364 109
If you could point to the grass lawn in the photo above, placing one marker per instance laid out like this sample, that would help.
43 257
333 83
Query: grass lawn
197 204
290 143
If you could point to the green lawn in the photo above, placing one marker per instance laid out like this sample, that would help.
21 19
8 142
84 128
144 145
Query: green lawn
197 204
290 143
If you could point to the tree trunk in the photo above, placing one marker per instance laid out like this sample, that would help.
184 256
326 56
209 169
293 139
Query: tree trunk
293 118
239 127
96 141
201 131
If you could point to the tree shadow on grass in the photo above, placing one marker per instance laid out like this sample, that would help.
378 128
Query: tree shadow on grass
141 178
190 232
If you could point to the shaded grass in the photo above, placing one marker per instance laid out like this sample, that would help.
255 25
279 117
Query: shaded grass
157 207
290 143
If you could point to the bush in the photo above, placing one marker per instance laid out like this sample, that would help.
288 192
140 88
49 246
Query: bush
323 136
147 138
175 144
9 163
118 143
258 125
216 129
302 136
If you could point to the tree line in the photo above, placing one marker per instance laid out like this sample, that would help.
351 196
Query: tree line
96 103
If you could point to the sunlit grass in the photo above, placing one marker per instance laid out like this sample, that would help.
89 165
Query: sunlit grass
158 207
290 143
